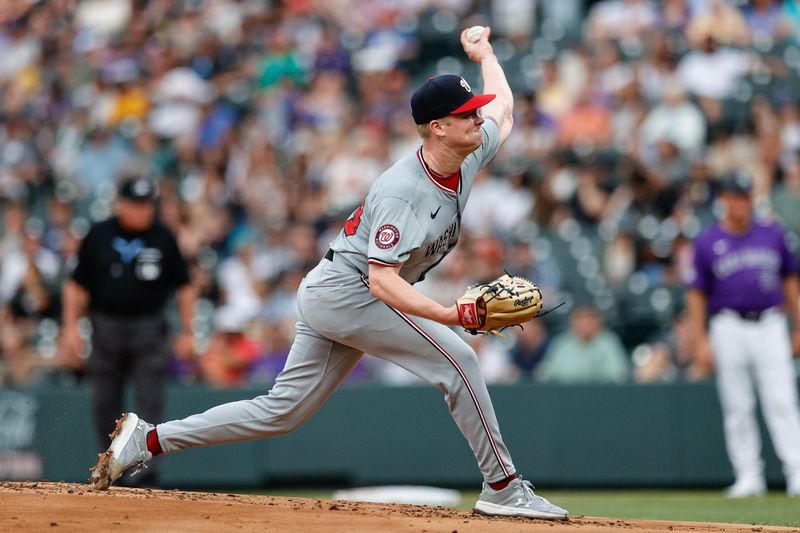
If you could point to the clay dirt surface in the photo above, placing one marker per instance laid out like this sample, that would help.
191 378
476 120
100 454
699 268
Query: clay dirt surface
60 507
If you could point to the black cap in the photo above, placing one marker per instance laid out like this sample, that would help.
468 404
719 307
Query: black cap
736 183
138 189
445 95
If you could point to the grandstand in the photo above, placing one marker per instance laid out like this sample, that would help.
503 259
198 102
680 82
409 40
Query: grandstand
264 123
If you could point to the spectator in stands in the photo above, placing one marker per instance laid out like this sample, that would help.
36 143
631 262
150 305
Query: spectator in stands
587 126
57 225
275 340
619 261
710 72
20 365
791 11
586 353
28 294
20 50
530 346
493 358
539 266
554 94
448 281
720 20
231 351
674 16
669 358
13 228
766 21
514 20
676 120
621 19
536 130
613 75
656 70
731 150
239 279
243 114
29 277
786 197
281 62
512 192
102 159
652 363
789 118
486 252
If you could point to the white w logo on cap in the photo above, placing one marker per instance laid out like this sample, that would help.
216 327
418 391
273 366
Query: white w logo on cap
465 85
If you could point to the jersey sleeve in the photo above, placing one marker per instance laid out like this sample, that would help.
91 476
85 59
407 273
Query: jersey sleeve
699 275
395 232
83 274
788 259
484 154
491 142
178 270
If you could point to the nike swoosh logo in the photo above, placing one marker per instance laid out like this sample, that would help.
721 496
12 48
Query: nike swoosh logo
433 215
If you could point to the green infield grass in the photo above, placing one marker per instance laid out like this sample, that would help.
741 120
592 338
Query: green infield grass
688 505
684 505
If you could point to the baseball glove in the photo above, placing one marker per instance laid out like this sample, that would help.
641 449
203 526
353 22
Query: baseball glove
492 307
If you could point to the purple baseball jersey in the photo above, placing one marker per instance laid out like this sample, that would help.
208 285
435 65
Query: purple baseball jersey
741 272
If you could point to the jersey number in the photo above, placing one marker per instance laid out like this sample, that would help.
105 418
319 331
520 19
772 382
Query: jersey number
351 225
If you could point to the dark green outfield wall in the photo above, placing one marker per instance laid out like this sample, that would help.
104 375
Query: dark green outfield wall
628 435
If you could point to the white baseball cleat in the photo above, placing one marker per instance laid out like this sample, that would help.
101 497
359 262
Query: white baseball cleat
746 488
517 499
793 487
128 449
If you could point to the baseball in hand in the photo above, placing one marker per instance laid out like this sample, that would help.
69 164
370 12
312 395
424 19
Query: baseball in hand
475 33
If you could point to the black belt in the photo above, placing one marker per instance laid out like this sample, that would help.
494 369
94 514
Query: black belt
752 316
330 254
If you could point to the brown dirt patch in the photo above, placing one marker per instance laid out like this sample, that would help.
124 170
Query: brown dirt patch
46 506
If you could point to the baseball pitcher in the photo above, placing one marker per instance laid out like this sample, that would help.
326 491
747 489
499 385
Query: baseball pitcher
360 298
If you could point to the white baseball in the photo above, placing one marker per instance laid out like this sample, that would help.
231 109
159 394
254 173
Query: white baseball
475 33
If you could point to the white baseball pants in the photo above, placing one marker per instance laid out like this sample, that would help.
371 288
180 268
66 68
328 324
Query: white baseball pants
756 355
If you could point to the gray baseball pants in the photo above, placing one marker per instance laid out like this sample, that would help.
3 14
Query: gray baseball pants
338 321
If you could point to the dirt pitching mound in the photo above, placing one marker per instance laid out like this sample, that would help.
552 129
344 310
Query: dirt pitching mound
46 506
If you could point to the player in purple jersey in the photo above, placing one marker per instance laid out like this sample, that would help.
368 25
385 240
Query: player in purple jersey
744 285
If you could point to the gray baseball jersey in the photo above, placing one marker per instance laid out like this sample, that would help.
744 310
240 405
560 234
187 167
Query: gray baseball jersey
410 218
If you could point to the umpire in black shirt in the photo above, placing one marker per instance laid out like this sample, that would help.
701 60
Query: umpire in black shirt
128 267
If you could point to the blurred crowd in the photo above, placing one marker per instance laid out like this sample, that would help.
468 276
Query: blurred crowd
264 122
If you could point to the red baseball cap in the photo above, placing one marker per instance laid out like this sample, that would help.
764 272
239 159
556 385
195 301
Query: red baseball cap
445 95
